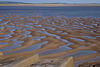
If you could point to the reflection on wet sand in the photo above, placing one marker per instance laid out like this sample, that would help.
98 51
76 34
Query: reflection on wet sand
49 36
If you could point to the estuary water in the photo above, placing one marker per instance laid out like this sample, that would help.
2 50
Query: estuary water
68 11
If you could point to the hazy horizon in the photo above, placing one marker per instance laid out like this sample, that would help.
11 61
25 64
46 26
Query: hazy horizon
55 1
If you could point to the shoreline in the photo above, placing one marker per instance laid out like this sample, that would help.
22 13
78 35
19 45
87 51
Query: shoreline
49 5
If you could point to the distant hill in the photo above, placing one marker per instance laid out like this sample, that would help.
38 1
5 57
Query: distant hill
9 2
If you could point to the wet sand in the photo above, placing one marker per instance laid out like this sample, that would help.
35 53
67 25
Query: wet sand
49 37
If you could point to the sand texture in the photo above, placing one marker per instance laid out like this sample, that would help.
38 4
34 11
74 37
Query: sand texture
49 37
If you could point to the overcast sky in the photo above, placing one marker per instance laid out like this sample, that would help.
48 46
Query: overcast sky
55 1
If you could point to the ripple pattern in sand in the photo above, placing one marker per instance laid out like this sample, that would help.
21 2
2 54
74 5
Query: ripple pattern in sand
49 36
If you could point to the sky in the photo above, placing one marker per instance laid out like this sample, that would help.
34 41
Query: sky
55 1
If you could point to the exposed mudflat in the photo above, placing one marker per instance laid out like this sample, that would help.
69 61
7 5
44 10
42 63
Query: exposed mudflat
49 36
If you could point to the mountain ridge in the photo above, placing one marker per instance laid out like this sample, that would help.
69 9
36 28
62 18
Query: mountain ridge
12 2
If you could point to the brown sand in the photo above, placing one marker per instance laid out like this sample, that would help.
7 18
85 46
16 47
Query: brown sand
67 30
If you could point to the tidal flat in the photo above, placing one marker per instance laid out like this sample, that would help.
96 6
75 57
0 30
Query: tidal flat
25 34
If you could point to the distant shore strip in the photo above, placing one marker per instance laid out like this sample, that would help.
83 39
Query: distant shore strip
49 5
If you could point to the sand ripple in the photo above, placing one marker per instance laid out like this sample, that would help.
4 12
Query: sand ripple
49 36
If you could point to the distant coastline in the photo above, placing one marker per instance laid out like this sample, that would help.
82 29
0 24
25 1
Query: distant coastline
50 5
